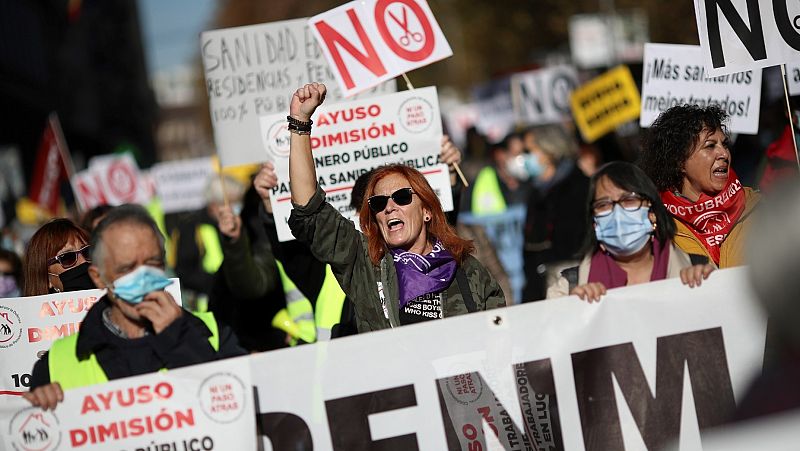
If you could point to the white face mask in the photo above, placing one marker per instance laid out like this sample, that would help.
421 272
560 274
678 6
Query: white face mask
516 167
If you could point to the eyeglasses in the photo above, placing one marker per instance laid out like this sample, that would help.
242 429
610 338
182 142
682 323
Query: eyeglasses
629 202
68 259
402 196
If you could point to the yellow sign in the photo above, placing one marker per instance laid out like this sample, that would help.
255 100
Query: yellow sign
604 103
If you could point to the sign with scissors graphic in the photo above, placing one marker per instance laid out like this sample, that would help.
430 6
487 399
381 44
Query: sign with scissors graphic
370 41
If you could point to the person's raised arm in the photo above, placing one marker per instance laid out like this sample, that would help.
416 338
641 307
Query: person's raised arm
302 174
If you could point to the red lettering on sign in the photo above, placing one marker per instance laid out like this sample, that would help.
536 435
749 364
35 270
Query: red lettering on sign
333 39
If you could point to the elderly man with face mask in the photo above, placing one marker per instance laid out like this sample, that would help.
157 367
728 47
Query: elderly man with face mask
137 327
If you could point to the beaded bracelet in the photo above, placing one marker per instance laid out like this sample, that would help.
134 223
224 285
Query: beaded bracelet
299 123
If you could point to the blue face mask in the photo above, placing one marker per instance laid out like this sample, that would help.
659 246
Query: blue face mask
132 287
624 232
533 166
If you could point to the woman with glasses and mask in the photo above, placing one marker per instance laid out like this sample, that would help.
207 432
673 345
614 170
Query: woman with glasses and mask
630 241
57 259
409 265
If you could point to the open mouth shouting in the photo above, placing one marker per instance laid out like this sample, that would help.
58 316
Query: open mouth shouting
394 224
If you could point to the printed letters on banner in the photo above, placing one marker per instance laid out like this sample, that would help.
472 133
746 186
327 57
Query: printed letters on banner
351 138
370 41
675 75
605 103
252 71
649 364
202 407
738 35
29 325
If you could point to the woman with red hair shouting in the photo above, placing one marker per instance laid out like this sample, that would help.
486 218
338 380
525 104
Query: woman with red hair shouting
409 265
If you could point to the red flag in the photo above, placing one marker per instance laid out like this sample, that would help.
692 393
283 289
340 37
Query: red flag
50 168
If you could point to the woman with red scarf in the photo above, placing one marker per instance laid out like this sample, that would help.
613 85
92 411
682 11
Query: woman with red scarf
686 154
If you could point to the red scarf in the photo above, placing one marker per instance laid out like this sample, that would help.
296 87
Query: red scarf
710 218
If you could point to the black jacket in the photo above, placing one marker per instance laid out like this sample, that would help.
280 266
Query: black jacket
555 229
182 343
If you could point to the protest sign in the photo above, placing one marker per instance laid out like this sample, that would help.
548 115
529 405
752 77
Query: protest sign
29 325
793 75
370 41
542 96
675 75
202 407
495 106
738 35
605 102
649 363
597 40
181 185
110 179
351 138
252 71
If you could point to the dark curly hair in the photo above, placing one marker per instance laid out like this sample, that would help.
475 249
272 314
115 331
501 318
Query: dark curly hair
668 143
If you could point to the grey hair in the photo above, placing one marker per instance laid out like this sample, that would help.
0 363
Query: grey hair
233 189
556 142
773 254
124 214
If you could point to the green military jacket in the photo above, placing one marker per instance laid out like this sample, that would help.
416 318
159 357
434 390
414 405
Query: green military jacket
334 239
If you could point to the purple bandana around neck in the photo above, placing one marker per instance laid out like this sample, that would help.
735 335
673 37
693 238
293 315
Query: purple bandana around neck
422 274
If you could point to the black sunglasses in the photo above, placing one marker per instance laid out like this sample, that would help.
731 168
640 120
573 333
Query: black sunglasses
402 196
68 259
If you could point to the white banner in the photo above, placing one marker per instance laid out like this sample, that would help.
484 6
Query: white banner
738 35
370 41
29 325
542 96
793 75
181 185
649 363
252 71
675 75
351 138
202 407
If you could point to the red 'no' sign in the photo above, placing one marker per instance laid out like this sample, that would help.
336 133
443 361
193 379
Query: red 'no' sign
369 58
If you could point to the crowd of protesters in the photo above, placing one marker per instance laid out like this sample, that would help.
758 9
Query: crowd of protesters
575 227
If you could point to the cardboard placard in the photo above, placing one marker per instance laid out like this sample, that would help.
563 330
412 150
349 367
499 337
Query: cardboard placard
181 185
29 325
201 407
605 102
367 42
542 96
738 35
252 71
351 138
675 75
